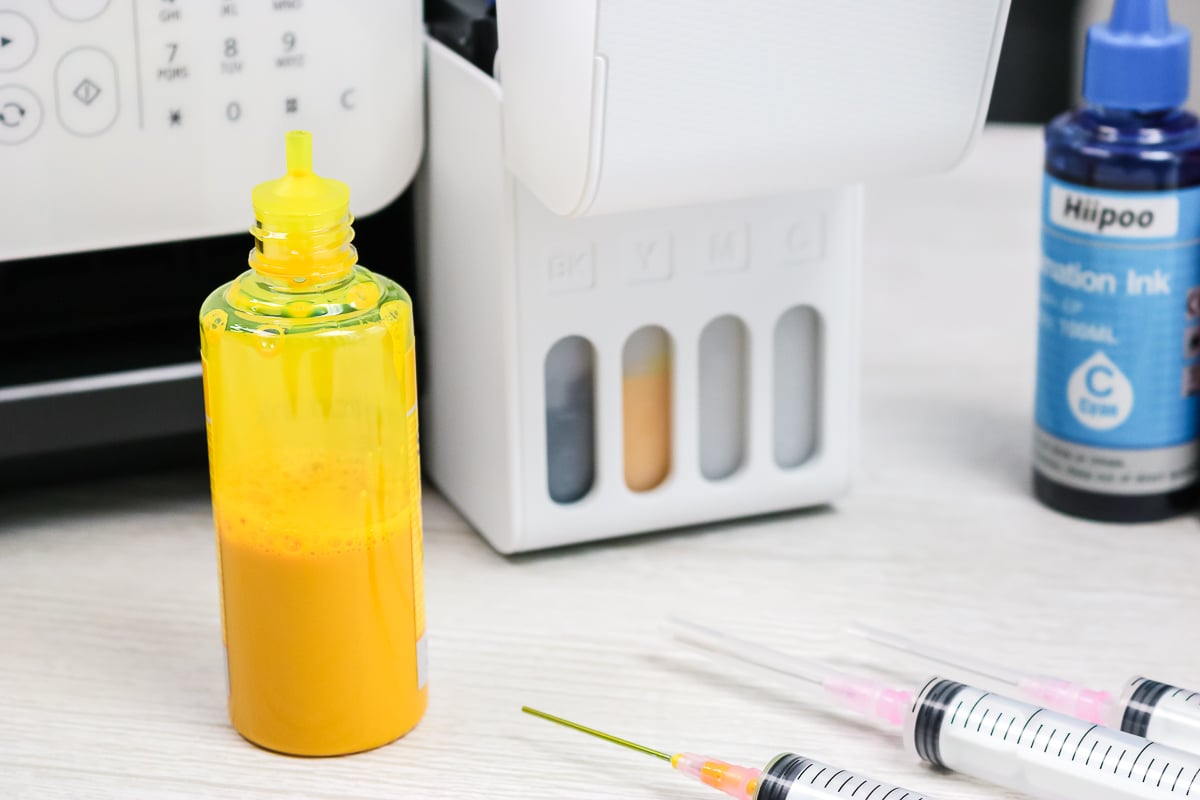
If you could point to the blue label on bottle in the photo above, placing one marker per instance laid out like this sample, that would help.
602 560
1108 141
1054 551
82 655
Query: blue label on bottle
1119 342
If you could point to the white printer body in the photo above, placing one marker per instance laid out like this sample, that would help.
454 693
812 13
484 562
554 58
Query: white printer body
640 249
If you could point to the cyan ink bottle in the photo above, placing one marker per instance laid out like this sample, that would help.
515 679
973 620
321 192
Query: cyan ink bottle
1119 324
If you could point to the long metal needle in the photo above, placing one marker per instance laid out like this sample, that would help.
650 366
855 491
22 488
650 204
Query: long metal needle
608 737
937 655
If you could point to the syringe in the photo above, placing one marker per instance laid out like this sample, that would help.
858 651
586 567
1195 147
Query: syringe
1007 742
1148 708
787 777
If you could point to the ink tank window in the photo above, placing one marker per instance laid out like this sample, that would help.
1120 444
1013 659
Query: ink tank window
570 381
796 383
724 382
646 405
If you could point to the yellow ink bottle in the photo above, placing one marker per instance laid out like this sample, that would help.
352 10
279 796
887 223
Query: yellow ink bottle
310 394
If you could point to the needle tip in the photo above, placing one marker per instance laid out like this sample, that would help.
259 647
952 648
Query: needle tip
608 737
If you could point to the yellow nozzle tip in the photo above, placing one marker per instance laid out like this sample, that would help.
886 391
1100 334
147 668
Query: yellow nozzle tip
298 145
301 197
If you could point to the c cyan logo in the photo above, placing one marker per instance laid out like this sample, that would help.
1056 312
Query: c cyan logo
1099 394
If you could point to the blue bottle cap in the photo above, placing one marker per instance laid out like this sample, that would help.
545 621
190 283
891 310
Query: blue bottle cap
1139 60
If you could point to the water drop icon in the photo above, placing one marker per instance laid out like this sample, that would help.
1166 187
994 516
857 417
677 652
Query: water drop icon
1100 395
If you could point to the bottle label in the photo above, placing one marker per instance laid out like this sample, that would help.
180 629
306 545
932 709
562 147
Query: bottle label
1119 339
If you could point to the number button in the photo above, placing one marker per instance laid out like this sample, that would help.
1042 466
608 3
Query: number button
233 111
172 70
288 56
232 52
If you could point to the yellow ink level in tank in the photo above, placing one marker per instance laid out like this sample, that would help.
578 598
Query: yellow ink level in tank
310 394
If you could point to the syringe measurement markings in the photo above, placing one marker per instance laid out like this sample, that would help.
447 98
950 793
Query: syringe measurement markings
844 785
857 788
874 789
1008 730
957 708
1036 734
1021 735
1121 750
982 697
807 767
833 777
889 794
1081 741
817 776
1188 699
1139 755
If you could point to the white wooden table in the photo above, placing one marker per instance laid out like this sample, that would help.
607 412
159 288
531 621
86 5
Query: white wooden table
111 676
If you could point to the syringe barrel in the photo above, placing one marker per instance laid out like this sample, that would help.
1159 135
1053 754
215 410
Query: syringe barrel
1161 712
793 777
1042 753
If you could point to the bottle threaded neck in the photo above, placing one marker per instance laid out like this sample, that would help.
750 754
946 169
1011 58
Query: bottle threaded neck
304 255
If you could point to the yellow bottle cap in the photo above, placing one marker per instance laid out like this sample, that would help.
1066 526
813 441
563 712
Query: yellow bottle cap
301 200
